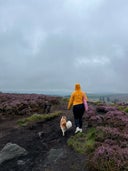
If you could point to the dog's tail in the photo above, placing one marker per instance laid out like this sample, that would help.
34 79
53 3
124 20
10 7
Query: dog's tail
68 124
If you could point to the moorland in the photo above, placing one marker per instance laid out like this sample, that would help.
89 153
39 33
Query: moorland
29 129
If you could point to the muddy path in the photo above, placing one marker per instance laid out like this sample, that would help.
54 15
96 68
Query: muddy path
47 148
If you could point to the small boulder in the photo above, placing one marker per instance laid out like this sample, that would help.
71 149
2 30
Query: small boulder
11 151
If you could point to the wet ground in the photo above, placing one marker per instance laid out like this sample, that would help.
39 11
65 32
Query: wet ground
47 148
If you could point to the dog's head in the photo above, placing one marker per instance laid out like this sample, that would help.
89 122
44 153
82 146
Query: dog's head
64 118
63 121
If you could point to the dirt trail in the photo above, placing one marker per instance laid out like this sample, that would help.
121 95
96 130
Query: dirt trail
47 148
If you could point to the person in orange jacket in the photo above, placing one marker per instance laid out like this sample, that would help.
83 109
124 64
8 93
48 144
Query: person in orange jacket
76 100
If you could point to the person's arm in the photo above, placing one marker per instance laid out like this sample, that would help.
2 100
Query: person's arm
85 96
85 102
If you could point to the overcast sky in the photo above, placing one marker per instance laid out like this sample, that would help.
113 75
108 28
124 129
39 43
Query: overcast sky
53 44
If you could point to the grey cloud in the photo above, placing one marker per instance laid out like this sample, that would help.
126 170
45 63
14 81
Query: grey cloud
51 45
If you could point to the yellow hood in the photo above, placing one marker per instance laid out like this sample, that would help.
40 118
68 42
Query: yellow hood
77 86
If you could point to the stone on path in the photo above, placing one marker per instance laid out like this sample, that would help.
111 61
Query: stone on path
11 151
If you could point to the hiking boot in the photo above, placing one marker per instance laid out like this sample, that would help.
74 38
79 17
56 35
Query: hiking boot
77 130
80 130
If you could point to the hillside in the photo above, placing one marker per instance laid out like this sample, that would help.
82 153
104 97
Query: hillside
23 121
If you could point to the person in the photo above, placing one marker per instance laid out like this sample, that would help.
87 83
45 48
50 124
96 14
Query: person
76 100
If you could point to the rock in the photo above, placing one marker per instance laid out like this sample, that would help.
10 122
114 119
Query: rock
11 151
53 156
41 134
20 162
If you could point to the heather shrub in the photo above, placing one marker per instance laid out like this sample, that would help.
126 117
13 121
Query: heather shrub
111 147
112 134
105 109
116 119
101 109
90 113
25 104
94 119
108 158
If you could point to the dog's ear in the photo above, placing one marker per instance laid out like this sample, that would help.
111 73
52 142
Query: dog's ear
64 117
61 117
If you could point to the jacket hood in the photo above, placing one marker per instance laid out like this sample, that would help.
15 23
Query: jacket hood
77 86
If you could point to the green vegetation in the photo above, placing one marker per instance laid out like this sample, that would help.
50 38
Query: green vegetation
126 110
77 142
65 99
123 108
37 117
83 142
97 102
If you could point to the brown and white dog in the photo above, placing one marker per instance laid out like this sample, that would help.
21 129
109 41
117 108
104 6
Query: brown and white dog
64 124
63 127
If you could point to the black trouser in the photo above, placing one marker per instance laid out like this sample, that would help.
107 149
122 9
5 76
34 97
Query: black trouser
78 111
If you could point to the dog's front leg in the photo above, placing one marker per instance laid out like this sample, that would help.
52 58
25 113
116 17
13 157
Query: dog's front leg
63 133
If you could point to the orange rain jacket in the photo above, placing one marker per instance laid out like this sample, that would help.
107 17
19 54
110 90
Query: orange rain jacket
77 96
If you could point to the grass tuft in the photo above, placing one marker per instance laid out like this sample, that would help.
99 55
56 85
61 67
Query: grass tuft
37 117
83 142
126 110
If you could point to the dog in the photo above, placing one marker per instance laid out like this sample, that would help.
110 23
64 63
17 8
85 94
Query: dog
64 124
